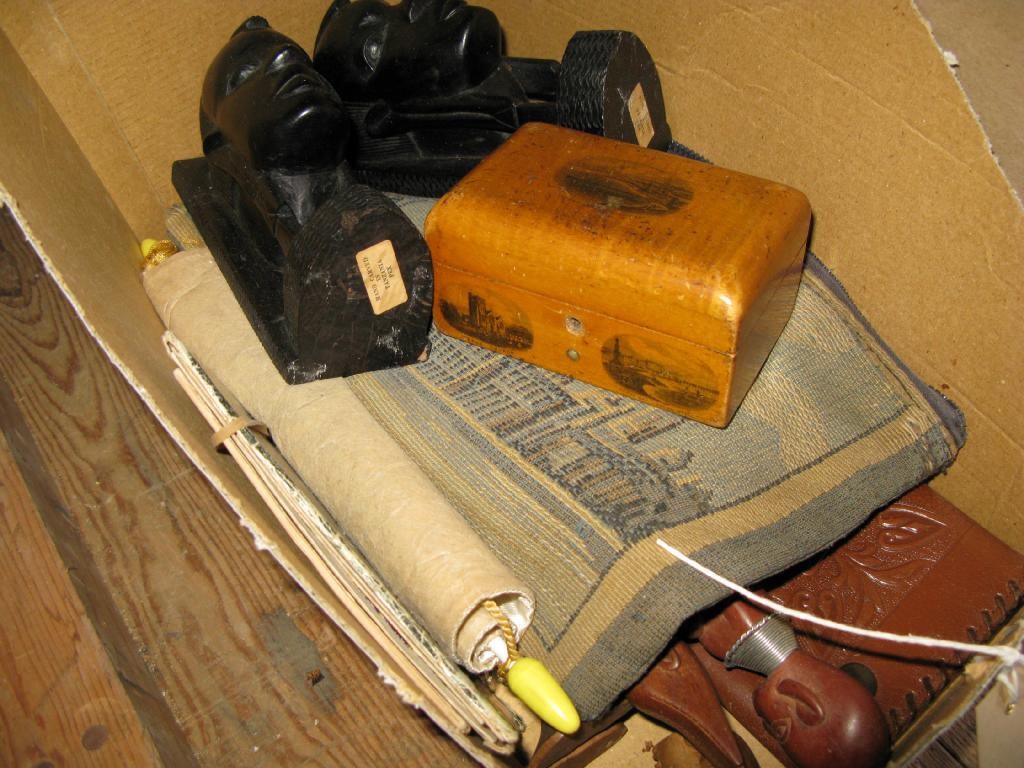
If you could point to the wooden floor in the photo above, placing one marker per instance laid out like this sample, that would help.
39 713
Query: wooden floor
138 623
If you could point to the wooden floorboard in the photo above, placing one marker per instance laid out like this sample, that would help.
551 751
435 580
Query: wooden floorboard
245 667
61 702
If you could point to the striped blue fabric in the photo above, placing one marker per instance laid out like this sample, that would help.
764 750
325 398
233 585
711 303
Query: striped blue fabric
570 484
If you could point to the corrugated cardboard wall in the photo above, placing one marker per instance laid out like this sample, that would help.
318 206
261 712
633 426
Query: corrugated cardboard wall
852 103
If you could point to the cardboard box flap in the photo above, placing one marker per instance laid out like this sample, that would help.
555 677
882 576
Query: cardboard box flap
854 104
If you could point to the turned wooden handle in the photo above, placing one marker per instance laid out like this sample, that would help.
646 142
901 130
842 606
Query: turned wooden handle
821 716
720 634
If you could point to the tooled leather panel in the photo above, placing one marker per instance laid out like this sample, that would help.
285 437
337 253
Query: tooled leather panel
920 566
863 581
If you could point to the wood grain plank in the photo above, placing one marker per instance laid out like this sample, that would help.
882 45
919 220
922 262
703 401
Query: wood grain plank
61 702
229 639
77 559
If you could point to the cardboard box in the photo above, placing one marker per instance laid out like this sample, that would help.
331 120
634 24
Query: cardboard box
854 104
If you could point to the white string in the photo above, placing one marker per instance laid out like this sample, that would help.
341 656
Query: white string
1010 656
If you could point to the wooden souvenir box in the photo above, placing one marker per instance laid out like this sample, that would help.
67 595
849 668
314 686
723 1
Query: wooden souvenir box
648 274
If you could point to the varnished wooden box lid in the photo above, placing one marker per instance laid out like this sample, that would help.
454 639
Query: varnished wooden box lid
680 248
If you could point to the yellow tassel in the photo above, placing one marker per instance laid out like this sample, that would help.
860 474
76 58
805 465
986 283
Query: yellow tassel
531 681
156 251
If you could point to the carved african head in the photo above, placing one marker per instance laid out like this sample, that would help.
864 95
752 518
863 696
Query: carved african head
262 96
369 49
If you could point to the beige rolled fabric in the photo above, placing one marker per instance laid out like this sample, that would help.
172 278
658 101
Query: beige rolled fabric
420 546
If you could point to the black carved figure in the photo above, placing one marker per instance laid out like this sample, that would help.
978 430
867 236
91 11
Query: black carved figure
416 49
333 277
430 92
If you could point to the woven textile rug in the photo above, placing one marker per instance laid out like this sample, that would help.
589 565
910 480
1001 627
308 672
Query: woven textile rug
571 485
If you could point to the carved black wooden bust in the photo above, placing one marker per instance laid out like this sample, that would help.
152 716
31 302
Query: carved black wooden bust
430 93
263 98
416 49
333 277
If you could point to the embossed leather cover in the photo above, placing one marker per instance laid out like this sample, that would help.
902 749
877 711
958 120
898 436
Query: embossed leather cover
919 566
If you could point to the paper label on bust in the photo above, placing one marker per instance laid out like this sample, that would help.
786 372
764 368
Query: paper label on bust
641 117
378 267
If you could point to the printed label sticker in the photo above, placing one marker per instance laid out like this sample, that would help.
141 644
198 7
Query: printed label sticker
641 116
382 279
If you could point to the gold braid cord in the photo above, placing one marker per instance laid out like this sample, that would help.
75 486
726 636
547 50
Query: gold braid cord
158 252
507 632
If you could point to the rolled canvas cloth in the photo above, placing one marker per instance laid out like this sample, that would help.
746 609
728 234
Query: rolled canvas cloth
421 547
